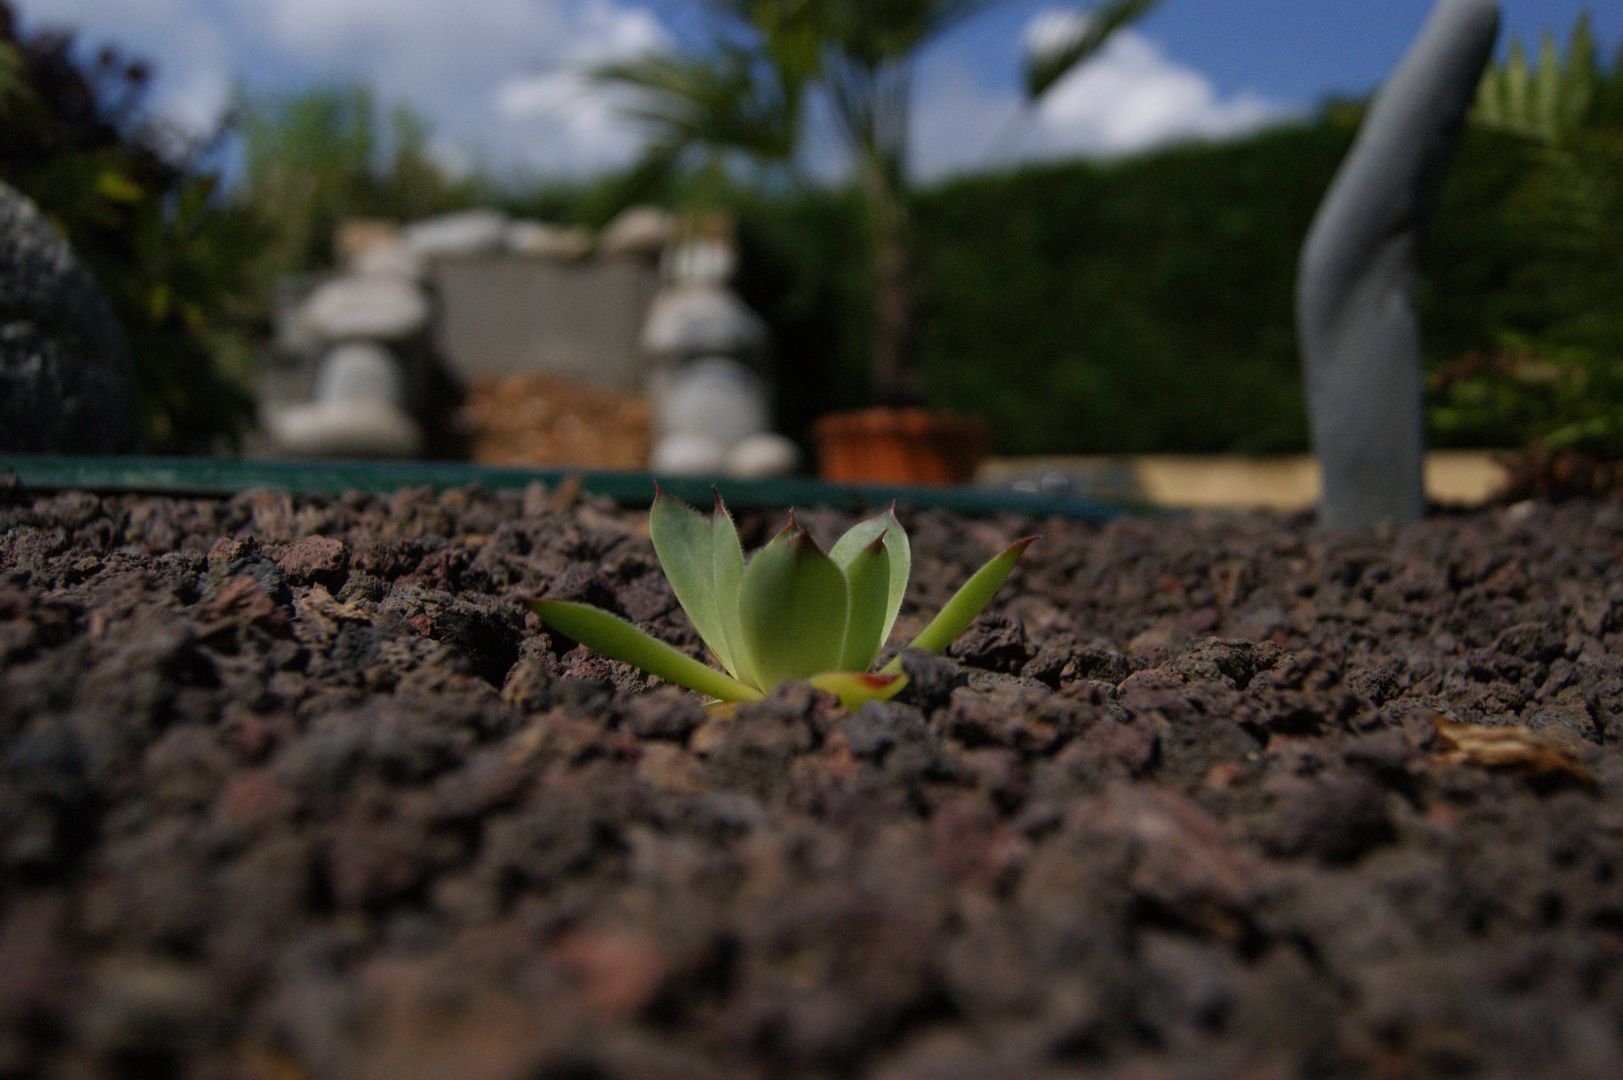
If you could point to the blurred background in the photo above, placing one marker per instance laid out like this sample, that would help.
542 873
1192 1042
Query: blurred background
565 232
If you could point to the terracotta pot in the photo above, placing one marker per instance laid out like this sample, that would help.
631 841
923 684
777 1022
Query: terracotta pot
899 446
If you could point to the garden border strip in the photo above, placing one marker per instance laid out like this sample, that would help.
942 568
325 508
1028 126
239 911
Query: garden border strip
215 476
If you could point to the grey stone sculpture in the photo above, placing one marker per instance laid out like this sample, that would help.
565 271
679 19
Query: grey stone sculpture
1355 286
66 385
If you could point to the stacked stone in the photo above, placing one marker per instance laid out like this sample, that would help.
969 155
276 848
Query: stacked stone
369 334
712 405
358 322
380 387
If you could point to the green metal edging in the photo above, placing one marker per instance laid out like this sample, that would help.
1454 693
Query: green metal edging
224 476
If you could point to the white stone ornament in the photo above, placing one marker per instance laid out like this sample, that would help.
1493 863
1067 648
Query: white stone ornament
640 231
457 236
346 429
761 455
700 320
699 262
542 241
717 397
360 371
687 453
376 306
357 410
394 259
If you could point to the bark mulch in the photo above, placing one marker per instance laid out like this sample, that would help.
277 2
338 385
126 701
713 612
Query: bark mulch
297 788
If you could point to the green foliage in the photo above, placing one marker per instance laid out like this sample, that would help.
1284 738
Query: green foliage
1561 398
1144 305
190 272
143 213
616 638
1147 305
970 599
723 106
772 64
1545 362
804 266
318 156
1548 100
791 612
1138 306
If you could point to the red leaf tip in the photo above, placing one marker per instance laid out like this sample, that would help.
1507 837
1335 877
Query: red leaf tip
802 540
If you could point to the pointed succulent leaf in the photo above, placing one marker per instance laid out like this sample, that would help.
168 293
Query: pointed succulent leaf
868 579
727 560
685 543
855 687
897 551
791 609
966 603
619 640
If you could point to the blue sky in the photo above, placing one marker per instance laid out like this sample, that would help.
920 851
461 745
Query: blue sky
492 75
1296 50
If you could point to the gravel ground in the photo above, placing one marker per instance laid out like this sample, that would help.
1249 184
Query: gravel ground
297 788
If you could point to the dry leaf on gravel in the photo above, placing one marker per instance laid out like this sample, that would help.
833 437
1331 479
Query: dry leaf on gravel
1512 748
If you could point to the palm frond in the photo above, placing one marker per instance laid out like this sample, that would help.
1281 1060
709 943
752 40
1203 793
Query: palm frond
730 101
1048 66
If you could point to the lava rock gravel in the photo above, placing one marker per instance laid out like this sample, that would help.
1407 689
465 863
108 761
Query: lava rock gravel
298 788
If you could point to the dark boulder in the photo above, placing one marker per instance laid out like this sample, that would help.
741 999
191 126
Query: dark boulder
66 385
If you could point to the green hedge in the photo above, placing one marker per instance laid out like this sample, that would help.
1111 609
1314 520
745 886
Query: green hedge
1147 305
1132 307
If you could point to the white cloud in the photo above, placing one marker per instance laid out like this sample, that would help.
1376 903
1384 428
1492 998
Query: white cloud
563 125
1128 97
573 126
1051 31
478 70
1132 97
494 78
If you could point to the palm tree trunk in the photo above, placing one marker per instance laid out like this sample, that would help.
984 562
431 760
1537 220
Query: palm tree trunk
895 357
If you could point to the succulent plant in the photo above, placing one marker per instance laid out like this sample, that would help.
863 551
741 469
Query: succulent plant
790 612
